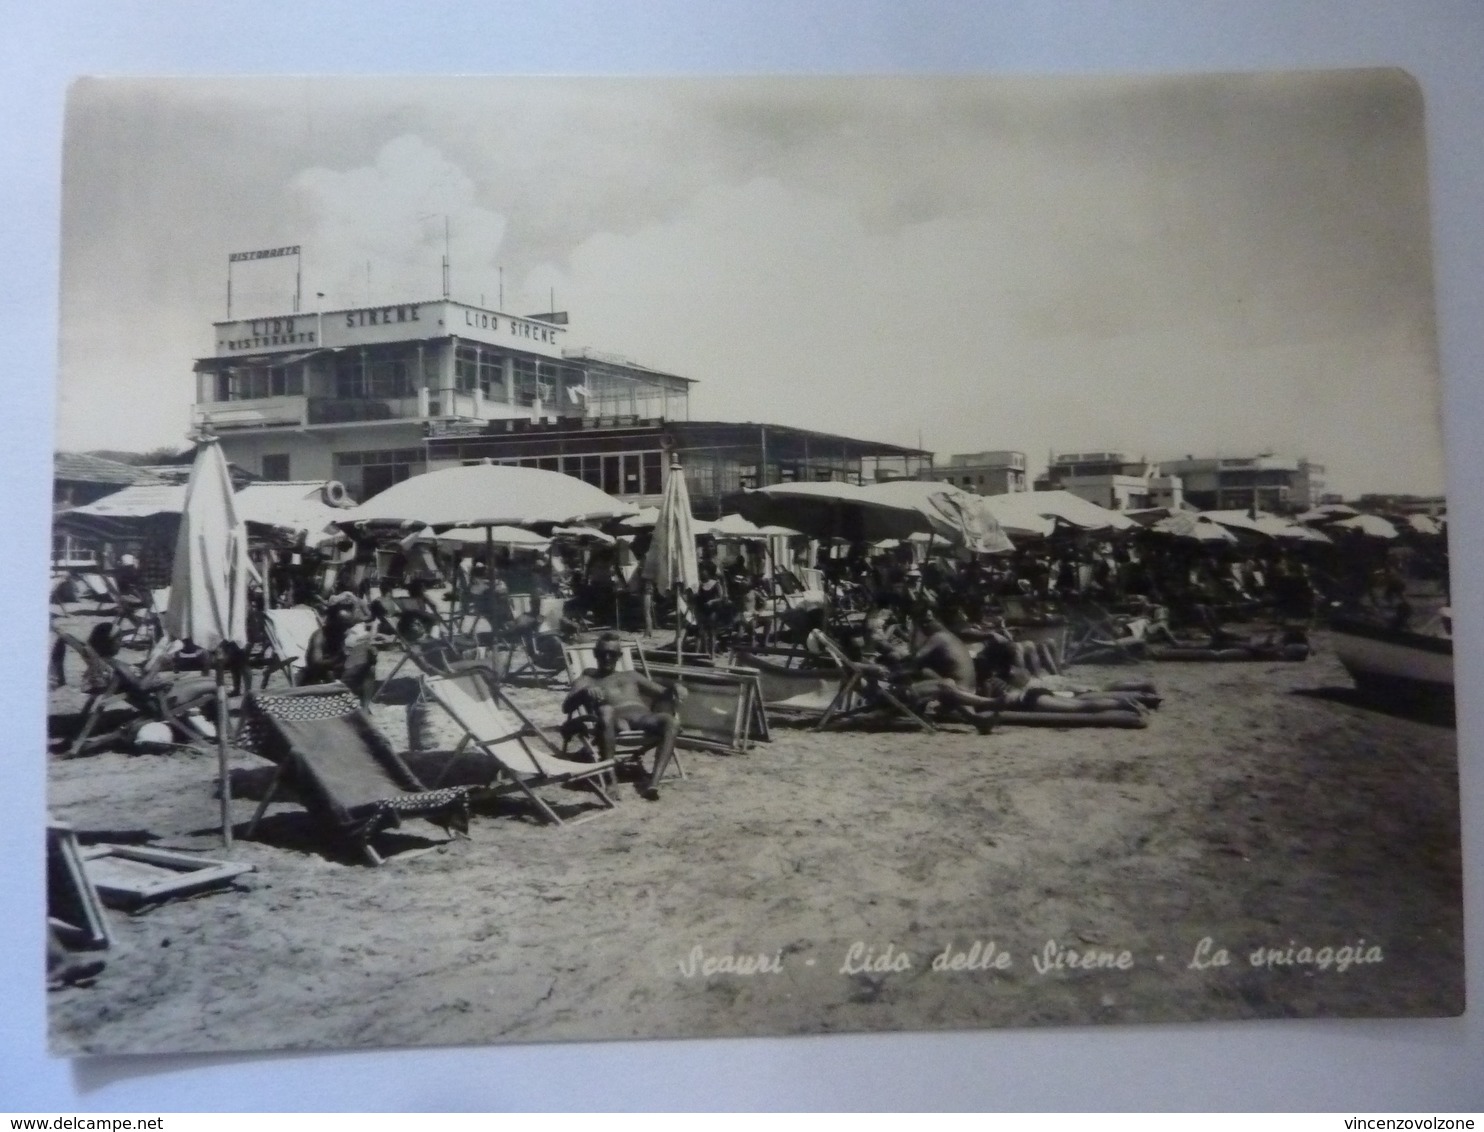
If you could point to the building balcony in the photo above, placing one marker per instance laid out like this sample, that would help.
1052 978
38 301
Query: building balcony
261 413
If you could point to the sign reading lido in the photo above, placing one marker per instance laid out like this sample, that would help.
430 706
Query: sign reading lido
405 322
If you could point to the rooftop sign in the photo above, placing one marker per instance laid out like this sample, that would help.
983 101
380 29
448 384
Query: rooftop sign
402 322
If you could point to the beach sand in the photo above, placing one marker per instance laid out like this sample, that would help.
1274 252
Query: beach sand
1263 808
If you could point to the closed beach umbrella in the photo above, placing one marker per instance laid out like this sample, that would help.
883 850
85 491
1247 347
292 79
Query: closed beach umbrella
208 586
671 561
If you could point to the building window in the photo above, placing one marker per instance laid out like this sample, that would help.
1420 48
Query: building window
254 383
362 375
276 467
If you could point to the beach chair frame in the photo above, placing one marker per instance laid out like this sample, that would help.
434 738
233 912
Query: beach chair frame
411 798
550 768
861 693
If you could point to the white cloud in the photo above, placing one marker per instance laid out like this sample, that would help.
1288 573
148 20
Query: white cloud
390 214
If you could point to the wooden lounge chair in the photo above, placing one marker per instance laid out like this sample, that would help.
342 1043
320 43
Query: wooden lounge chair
861 692
342 769
523 759
113 684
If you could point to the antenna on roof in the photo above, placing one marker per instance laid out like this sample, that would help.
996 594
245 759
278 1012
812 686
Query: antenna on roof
446 261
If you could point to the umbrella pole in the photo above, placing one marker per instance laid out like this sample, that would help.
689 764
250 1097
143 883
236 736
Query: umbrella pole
223 777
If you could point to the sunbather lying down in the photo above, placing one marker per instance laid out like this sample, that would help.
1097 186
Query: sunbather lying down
980 691
1289 644
1004 682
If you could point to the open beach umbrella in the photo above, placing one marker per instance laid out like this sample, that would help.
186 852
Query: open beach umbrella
671 560
832 509
1326 513
1373 526
1032 513
488 495
958 517
1188 525
208 586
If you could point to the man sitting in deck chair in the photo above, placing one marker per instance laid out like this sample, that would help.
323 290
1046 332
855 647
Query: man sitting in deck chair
630 700
941 672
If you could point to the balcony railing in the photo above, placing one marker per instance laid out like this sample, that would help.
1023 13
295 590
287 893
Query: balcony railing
251 414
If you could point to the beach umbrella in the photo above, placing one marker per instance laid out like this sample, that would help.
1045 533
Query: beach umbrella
960 518
671 560
1326 513
488 495
646 518
1037 513
1372 526
208 586
832 509
1188 525
512 538
736 527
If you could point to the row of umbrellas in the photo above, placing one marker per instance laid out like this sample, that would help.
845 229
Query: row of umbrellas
208 599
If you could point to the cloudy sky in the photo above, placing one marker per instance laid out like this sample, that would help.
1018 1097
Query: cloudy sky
1160 266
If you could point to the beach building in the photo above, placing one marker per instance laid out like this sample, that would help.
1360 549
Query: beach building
987 473
1112 480
372 395
1265 481
78 478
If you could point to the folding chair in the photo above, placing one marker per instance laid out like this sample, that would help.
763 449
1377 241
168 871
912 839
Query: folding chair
545 658
288 633
342 769
97 590
585 726
113 684
578 657
500 731
860 692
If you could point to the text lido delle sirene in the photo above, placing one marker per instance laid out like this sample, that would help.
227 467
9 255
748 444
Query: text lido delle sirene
1050 958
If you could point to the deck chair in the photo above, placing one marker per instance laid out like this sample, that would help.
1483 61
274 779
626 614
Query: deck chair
445 655
861 693
94 587
1095 635
793 691
500 731
541 649
288 632
579 657
342 769
113 685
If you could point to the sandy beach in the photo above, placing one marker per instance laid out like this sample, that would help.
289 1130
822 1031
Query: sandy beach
1264 808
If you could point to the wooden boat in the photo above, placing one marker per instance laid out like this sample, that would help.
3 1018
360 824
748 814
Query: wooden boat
1394 665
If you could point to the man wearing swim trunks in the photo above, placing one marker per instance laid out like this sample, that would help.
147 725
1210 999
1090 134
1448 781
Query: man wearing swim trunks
627 699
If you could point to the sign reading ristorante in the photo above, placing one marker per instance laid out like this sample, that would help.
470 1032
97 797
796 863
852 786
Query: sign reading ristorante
371 325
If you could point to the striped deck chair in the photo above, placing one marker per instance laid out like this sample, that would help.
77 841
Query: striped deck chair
340 766
523 759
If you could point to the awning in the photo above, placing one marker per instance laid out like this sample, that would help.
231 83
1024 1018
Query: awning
215 365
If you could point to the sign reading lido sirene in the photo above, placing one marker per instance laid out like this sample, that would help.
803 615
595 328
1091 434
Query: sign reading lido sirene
404 322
